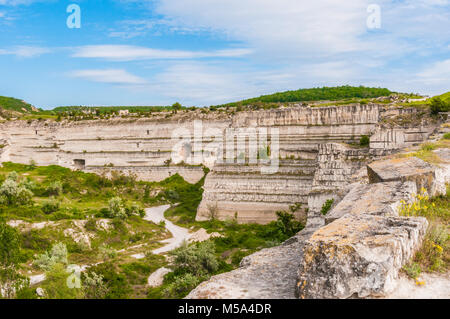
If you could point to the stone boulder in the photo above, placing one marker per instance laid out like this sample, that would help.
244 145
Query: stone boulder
375 199
358 255
406 169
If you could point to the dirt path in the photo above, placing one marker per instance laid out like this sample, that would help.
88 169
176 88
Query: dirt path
156 215
179 234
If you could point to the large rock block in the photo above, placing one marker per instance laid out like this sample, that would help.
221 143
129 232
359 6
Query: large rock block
405 169
376 199
358 256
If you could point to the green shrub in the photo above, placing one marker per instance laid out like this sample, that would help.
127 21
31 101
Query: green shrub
10 279
437 105
446 136
364 140
13 193
117 208
327 206
181 286
57 255
50 206
94 286
54 189
287 224
413 270
198 259
117 286
55 284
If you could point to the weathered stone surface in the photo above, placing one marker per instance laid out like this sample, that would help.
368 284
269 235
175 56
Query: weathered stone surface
405 169
268 274
358 256
378 199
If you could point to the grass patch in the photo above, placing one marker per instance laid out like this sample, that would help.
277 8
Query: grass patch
434 255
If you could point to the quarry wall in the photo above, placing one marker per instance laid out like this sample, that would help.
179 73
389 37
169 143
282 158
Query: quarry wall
313 158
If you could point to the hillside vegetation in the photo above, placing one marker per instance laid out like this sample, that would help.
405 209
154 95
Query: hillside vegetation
318 94
12 104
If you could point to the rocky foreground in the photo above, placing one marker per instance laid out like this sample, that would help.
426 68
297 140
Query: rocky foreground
357 251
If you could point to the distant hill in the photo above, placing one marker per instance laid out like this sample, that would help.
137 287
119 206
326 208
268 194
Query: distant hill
318 94
15 105
445 97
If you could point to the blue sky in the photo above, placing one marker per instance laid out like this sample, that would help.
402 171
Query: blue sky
205 52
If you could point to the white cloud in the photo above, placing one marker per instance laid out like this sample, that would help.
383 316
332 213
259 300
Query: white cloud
112 76
25 51
326 26
320 28
130 53
203 83
435 78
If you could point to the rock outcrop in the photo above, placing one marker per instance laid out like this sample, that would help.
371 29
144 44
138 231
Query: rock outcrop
406 169
358 255
373 199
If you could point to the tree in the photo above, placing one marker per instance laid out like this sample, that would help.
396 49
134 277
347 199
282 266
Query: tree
177 106
287 224
13 192
10 280
198 259
57 255
364 140
437 105
116 208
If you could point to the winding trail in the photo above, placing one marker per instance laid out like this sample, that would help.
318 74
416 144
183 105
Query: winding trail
179 234
156 215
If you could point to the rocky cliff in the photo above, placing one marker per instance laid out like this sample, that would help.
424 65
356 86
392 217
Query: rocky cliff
314 161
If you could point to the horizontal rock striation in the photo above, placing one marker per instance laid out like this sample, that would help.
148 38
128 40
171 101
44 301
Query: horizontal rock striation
312 158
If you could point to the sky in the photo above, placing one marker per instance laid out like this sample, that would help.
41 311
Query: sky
208 52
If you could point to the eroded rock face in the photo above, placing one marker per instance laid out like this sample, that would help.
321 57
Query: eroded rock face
270 273
358 255
405 169
378 199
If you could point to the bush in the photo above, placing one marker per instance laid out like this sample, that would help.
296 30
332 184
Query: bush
106 252
13 193
94 286
446 136
287 224
10 279
116 208
413 270
57 255
437 105
364 140
55 285
326 207
181 286
198 259
50 206
55 189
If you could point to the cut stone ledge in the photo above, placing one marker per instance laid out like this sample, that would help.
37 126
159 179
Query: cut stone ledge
407 169
358 256
374 199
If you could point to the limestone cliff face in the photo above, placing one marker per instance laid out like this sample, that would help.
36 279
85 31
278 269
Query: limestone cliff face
312 159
